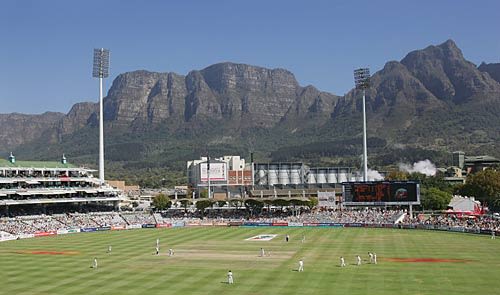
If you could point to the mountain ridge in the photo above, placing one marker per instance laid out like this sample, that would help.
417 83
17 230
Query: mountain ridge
432 99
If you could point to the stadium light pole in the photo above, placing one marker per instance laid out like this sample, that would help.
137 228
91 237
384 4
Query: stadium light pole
362 81
101 70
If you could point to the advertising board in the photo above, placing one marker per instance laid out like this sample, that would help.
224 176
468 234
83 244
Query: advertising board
326 199
218 172
381 193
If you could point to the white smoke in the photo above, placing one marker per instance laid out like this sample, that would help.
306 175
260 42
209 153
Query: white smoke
425 167
374 175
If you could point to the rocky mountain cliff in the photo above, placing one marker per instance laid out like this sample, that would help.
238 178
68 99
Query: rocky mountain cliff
492 69
242 94
17 128
434 87
432 99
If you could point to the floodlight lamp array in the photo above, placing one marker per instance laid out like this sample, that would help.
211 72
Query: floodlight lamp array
101 63
362 78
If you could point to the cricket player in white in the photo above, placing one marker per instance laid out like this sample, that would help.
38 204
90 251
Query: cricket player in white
371 256
158 243
375 258
170 252
109 249
157 250
301 265
230 277
358 260
94 264
493 237
262 252
303 238
342 261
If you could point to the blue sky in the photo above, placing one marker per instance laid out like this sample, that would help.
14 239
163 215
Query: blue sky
46 46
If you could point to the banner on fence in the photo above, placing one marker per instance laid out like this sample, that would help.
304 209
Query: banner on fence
280 224
235 223
353 225
310 224
68 231
178 224
257 224
88 229
148 225
163 225
218 223
45 233
26 236
192 224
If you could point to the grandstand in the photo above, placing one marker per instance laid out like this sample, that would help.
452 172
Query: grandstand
56 224
38 187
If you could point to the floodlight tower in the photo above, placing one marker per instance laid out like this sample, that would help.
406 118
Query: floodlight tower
101 70
362 81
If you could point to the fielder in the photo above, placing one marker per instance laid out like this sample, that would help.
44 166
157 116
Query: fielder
303 238
371 256
375 258
301 265
158 243
157 250
287 237
170 252
94 264
358 260
262 252
230 277
493 237
109 249
342 261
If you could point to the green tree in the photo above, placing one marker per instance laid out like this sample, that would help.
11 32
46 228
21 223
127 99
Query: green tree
296 202
268 203
436 181
204 194
435 199
281 202
161 202
235 203
221 203
485 187
253 206
313 202
185 203
201 205
397 175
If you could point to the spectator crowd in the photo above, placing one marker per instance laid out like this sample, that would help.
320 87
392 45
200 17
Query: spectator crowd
45 223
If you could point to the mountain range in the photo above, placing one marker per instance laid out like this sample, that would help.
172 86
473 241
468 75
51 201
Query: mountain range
428 104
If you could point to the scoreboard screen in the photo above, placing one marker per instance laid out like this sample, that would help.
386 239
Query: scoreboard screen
381 193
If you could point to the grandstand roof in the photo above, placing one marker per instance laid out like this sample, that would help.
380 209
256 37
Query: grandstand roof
35 164
470 159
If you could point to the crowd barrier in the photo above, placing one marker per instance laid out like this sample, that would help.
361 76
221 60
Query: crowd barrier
68 231
8 237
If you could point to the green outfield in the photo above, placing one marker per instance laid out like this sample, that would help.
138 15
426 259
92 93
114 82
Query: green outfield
409 262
